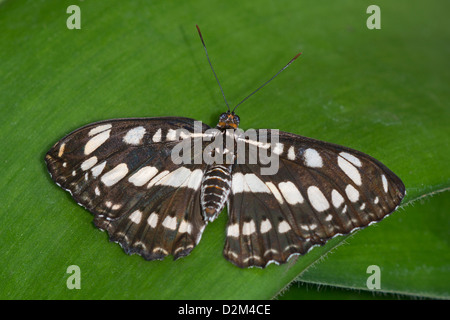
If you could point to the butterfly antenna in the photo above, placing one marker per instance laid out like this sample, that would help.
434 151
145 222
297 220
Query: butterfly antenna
287 65
207 56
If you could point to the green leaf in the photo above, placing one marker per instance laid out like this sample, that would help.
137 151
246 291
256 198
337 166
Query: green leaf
383 92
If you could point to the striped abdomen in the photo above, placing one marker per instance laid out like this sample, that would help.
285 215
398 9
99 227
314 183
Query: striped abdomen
215 190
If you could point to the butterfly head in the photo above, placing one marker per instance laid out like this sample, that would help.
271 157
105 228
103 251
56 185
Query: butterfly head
228 120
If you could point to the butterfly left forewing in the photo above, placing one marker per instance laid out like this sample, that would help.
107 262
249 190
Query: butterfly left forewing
122 171
320 190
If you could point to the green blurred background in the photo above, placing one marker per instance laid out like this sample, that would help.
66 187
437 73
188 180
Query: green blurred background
384 92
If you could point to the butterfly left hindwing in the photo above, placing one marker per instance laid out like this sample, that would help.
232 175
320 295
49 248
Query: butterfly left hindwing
122 171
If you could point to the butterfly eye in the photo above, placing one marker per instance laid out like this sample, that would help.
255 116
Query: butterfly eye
223 116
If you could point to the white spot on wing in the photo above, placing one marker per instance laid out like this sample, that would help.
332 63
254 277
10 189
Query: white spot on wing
152 220
161 250
171 135
195 179
170 223
158 178
312 158
136 216
116 207
237 183
275 192
89 163
336 198
143 176
385 183
248 228
352 193
185 227
157 136
99 129
283 227
233 230
96 141
134 136
247 183
175 178
61 149
317 199
270 251
266 226
290 192
354 160
291 153
349 170
252 257
278 149
97 170
115 175
255 184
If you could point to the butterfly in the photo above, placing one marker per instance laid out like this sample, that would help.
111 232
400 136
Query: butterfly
127 173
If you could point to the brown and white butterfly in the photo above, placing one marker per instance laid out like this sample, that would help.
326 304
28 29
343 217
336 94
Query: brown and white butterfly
123 172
